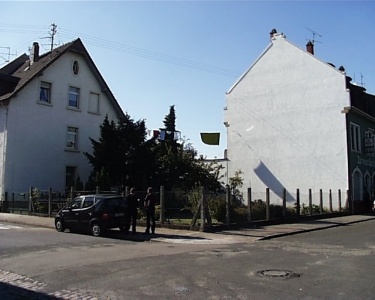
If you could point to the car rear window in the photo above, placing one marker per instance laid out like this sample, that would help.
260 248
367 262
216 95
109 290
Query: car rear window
115 203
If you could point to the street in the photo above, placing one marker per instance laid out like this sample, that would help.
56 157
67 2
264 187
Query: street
335 263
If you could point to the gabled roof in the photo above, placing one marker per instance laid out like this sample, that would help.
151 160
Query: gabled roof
20 71
280 36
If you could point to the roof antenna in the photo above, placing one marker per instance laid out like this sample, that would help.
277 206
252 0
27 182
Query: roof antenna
314 33
362 83
51 36
53 32
8 54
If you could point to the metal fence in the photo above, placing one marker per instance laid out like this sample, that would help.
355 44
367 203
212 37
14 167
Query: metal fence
198 207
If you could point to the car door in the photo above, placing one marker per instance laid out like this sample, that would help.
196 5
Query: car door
86 212
71 213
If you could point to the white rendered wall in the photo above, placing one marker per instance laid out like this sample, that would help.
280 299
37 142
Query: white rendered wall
286 126
37 133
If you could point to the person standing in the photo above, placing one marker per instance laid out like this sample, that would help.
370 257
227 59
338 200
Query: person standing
132 203
150 203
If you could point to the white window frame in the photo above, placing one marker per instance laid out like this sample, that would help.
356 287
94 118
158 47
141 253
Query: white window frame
94 100
355 137
45 87
73 97
72 138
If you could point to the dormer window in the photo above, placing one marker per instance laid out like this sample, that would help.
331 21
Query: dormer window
75 67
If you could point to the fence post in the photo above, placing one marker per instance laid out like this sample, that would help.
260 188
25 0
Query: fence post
227 201
31 208
162 205
5 203
50 202
12 202
330 201
298 203
339 200
284 203
249 204
350 204
267 204
321 201
203 209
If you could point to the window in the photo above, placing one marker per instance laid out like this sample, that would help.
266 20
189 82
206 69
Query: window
45 92
369 142
71 141
94 103
355 137
75 204
75 67
89 201
73 97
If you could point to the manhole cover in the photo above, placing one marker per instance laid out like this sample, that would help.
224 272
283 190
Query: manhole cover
278 274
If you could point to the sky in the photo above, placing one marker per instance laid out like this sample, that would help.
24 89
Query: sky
155 54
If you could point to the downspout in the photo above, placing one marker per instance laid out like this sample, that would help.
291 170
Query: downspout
4 152
348 149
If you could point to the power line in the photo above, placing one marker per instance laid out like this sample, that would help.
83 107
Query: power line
122 48
149 54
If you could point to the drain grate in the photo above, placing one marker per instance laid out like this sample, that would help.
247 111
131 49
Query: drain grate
282 274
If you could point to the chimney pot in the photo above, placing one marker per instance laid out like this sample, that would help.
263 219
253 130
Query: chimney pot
34 56
273 31
310 47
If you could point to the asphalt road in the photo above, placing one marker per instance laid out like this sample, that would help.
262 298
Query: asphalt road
335 263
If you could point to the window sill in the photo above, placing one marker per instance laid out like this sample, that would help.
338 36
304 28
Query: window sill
73 108
71 150
93 113
44 103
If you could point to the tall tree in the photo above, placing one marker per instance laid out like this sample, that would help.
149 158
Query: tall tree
120 151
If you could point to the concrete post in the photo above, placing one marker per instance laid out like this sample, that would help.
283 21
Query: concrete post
30 199
267 204
12 202
330 201
249 204
298 204
227 206
284 203
203 209
50 202
162 197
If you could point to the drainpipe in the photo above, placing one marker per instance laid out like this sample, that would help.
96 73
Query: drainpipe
4 150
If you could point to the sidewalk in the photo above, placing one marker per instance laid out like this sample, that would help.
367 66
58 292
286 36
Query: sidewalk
244 235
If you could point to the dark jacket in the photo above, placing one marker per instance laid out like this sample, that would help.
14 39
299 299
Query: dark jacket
132 202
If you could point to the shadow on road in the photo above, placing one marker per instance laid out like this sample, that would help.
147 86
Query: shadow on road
11 292
142 237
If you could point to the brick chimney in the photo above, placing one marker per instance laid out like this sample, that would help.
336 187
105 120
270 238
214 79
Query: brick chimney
34 56
310 47
273 31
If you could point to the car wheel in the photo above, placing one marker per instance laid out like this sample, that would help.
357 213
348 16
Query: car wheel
59 225
122 228
96 229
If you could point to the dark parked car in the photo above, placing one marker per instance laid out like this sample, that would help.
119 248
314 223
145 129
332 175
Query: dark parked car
96 213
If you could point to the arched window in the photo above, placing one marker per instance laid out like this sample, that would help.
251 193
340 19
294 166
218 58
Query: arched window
75 67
